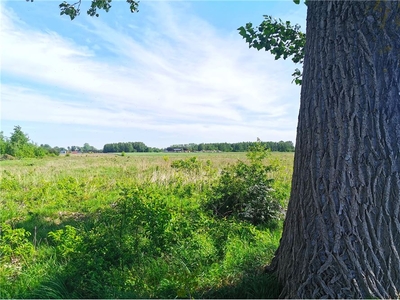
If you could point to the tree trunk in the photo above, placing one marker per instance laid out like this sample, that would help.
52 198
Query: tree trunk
341 237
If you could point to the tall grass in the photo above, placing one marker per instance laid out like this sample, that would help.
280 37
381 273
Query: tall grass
133 226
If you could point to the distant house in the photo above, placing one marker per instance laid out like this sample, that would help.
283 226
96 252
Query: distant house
170 149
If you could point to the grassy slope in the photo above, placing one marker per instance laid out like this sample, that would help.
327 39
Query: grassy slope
162 244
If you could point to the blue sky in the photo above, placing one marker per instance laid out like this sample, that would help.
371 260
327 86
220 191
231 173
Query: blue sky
175 72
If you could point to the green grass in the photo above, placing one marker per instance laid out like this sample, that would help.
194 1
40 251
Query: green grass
133 226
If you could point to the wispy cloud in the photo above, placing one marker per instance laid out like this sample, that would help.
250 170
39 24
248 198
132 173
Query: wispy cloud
178 74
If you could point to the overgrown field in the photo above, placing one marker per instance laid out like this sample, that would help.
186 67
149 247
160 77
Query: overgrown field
138 226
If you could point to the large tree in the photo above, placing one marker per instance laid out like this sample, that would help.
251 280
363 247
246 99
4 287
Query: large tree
341 236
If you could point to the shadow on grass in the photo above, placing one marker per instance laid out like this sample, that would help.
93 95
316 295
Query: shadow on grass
252 285
257 285
93 274
40 225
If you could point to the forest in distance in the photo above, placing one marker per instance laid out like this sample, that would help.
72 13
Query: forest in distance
280 146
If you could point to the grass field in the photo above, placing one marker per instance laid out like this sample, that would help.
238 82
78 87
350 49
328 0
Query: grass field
132 226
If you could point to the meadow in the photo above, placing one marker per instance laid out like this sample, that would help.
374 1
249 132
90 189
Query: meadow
132 226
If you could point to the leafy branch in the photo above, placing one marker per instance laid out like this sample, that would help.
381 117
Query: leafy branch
73 10
280 38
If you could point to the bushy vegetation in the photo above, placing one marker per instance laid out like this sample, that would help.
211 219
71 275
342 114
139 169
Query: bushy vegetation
132 226
20 146
244 190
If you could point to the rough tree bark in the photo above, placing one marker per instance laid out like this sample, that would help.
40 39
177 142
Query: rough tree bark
341 236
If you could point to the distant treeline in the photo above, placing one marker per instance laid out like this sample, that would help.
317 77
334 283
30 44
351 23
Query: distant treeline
234 147
223 147
129 147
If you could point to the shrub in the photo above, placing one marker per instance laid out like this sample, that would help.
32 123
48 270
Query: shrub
190 164
244 190
40 152
16 253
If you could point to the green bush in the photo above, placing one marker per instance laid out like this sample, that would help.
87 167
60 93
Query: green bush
190 164
16 253
14 244
244 190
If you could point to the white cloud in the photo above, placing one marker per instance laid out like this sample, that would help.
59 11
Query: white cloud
178 75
